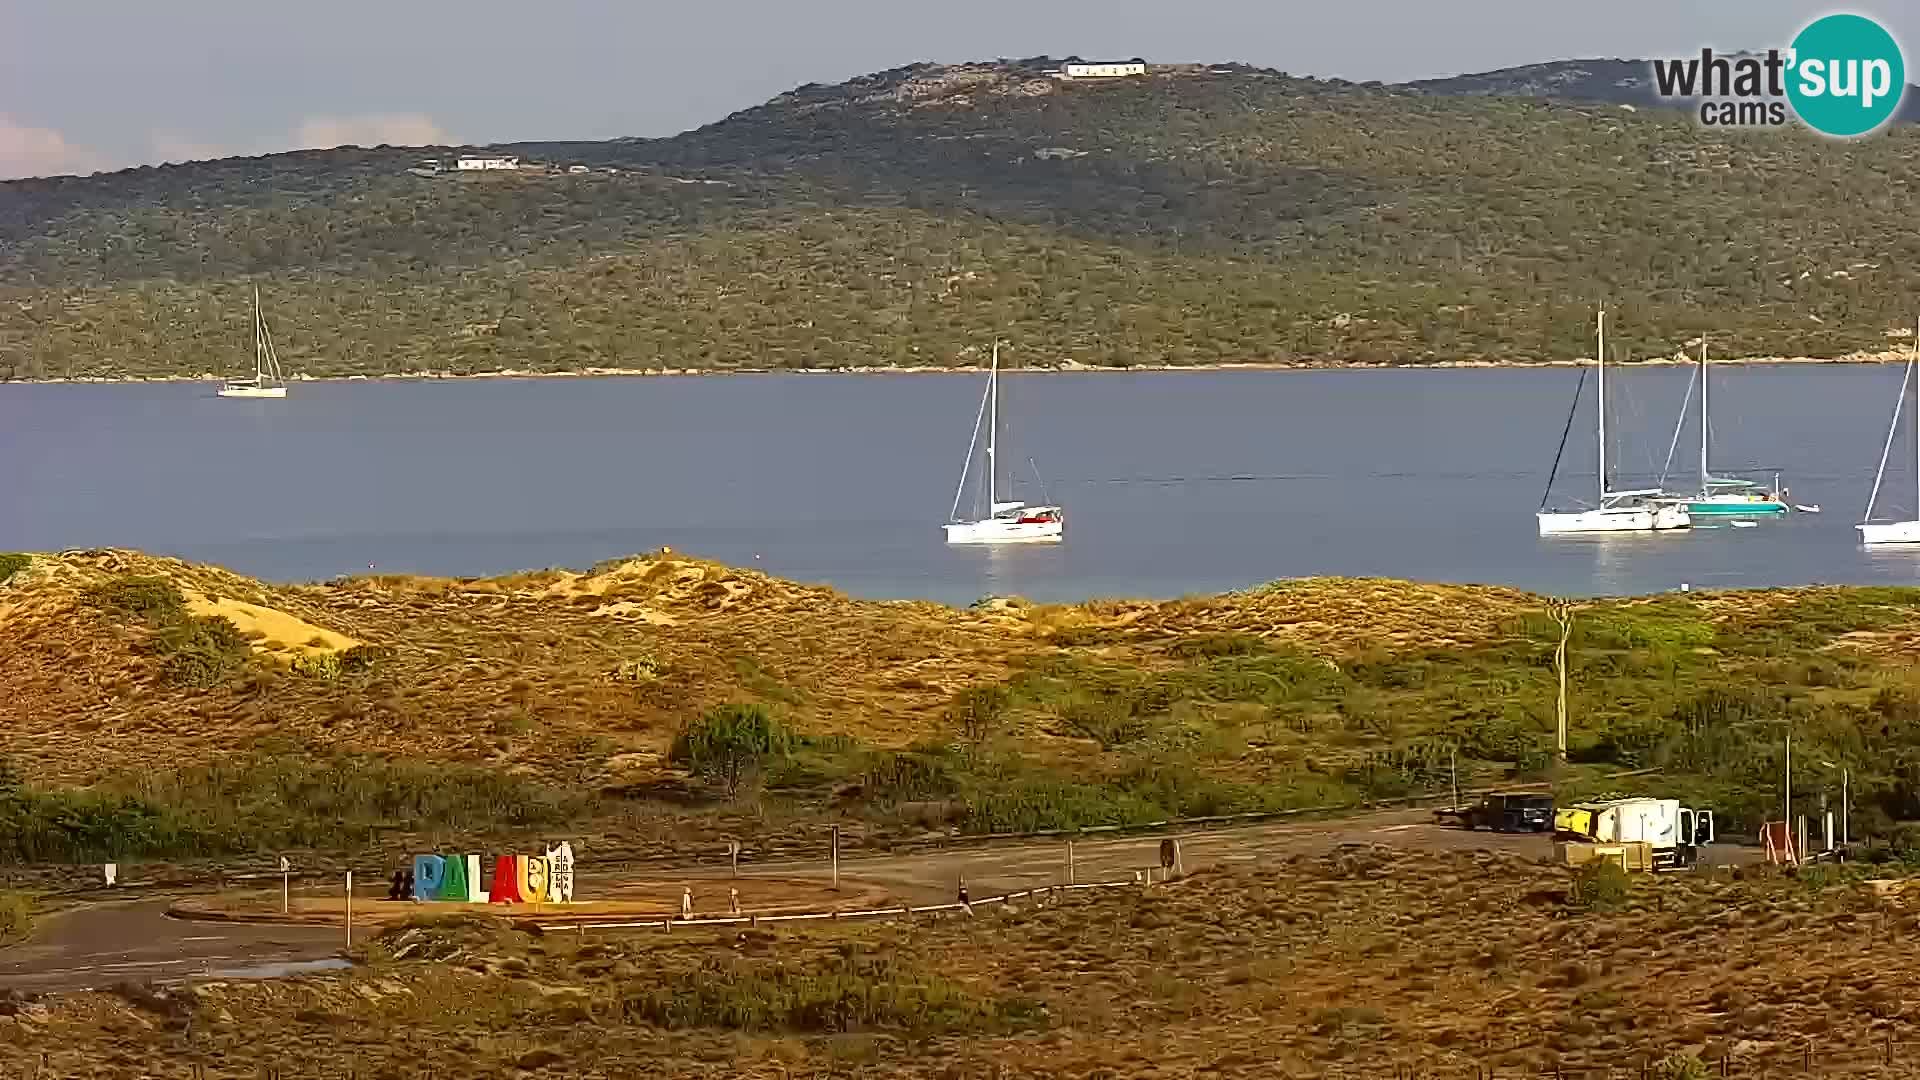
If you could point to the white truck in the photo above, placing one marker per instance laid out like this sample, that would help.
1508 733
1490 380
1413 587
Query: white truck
1674 833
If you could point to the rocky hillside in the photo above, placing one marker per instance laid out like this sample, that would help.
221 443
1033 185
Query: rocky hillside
1196 215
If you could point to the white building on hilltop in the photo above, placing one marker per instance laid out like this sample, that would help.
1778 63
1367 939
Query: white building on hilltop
1108 70
481 164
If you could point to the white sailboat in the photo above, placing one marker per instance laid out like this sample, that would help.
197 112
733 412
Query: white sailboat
1896 532
1617 511
1005 522
268 381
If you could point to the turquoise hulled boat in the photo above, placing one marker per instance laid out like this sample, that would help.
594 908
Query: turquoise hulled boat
1737 498
1720 496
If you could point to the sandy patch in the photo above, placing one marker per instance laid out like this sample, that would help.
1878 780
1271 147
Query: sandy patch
282 632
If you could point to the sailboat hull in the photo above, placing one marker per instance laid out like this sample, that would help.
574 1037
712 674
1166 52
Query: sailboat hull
253 391
1005 532
1735 506
1890 532
1624 519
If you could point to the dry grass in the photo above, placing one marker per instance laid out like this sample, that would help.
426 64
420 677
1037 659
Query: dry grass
585 677
1360 962
525 670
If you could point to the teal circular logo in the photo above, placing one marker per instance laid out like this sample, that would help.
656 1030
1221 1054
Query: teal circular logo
1847 75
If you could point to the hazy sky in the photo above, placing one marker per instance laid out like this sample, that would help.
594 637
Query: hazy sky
89 84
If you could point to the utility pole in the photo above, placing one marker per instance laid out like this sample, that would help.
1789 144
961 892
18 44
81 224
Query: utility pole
1787 787
1453 767
1563 614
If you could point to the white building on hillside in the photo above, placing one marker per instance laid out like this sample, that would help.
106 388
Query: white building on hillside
479 164
1109 70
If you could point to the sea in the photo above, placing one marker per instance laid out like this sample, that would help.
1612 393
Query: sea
1173 483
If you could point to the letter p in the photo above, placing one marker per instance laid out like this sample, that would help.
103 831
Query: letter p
1875 82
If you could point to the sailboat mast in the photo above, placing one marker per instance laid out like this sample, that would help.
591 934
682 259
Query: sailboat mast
1704 474
1602 332
259 340
993 432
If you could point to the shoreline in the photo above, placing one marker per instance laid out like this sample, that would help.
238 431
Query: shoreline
1855 359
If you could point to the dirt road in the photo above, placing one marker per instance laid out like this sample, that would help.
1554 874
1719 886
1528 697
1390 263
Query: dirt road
106 944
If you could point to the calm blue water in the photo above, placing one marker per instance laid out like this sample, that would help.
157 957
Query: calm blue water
1173 483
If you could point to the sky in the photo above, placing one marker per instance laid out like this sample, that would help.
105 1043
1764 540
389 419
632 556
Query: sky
87 85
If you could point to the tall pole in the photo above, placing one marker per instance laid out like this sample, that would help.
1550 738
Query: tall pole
1843 807
1787 787
836 858
349 919
1453 766
1563 614
1602 408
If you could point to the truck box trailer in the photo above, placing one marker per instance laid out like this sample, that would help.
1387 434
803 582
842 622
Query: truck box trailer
1674 833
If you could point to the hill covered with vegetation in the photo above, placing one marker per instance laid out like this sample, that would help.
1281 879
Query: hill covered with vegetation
157 708
1198 215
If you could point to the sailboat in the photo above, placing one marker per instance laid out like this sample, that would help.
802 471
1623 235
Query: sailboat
1723 496
267 381
1617 511
1896 532
1006 522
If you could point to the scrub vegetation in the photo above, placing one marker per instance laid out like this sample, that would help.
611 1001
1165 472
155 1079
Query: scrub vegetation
663 700
1362 962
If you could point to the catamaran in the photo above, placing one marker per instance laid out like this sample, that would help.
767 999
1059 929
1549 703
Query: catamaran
268 381
1617 511
1005 522
1722 496
1896 532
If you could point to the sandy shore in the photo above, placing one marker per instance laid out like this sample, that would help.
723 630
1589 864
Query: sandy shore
1887 357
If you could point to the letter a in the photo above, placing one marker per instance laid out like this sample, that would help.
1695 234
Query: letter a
506 880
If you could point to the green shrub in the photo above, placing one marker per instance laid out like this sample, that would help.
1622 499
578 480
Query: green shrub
1108 721
979 711
908 776
1600 886
11 563
729 744
154 599
324 666
202 651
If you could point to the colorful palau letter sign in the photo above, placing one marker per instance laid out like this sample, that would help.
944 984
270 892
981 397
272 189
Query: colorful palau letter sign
428 872
476 892
560 873
453 880
533 880
506 880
